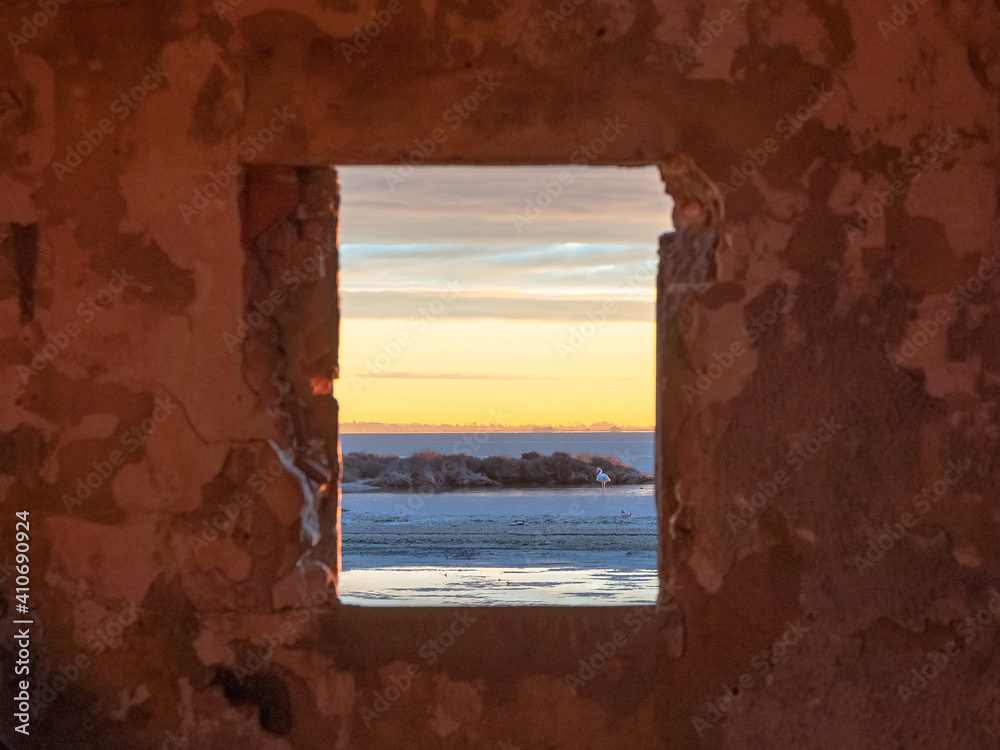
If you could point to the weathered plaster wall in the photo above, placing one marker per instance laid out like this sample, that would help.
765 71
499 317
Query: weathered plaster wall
797 304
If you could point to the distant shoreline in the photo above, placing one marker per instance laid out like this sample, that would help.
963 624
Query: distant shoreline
382 429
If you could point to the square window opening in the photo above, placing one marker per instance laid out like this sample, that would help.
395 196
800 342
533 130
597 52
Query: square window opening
496 385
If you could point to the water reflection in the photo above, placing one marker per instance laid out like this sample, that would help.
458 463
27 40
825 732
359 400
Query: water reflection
452 585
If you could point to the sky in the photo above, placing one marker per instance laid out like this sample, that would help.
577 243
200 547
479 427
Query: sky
499 295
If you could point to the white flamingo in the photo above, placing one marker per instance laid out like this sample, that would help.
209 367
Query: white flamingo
602 478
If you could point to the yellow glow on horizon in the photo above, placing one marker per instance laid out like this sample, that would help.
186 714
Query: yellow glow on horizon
526 371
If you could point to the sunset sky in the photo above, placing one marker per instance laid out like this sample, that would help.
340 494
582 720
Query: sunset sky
455 311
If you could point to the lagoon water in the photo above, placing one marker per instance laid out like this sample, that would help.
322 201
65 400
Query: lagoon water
488 547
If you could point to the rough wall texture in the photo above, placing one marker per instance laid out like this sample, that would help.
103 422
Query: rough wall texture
828 372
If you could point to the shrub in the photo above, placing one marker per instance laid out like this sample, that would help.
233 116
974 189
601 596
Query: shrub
430 468
394 480
502 469
368 465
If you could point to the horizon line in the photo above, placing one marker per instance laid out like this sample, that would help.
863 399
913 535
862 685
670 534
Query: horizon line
355 427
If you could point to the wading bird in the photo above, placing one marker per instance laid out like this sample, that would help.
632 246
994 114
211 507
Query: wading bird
602 478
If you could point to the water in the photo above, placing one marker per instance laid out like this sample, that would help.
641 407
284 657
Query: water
633 448
481 547
581 582
574 502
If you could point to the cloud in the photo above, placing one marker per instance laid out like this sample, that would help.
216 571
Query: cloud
420 304
476 205
595 241
520 257
454 376
500 271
